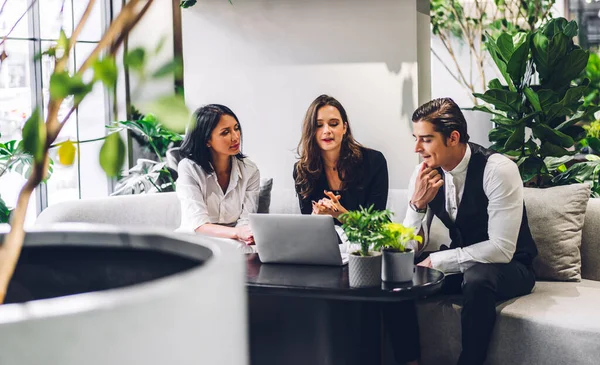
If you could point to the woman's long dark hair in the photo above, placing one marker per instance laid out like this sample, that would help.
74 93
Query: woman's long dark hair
310 164
194 145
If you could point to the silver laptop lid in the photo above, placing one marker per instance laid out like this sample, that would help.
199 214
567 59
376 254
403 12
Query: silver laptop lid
296 239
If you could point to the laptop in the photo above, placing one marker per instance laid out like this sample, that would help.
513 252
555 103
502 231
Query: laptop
296 239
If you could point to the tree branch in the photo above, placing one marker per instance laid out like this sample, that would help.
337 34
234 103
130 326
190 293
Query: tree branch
448 47
446 67
13 241
3 5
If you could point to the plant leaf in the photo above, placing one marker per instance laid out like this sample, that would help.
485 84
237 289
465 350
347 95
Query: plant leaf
66 153
4 211
173 67
112 154
504 100
495 84
533 99
594 143
106 71
516 139
505 46
170 111
545 133
550 149
136 59
530 168
34 136
518 63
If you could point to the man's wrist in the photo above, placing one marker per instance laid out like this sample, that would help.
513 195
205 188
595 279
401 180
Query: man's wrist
418 207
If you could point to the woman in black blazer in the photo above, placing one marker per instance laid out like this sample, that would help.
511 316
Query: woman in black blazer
335 173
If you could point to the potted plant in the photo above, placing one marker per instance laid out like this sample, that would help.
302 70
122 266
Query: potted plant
536 124
398 254
363 227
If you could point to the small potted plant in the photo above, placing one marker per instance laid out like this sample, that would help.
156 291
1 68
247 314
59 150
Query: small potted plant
398 254
363 227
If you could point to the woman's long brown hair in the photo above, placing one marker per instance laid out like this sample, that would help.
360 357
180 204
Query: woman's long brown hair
310 164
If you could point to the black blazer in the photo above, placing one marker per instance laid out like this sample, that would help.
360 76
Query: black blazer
370 187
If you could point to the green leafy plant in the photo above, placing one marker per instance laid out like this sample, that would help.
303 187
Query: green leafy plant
592 73
364 226
593 129
147 176
587 171
469 21
591 142
149 133
14 158
395 237
535 122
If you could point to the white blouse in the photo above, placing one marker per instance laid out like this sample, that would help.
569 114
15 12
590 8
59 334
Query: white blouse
203 201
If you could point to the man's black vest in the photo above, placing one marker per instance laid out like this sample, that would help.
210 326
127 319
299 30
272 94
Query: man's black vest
471 225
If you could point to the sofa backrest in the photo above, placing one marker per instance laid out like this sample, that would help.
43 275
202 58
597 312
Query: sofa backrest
156 210
163 210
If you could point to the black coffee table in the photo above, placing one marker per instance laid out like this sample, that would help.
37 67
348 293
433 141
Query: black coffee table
305 314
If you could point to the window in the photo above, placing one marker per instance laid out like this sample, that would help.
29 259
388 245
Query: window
24 84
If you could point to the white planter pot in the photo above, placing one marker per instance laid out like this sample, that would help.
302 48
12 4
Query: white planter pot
397 266
364 271
192 315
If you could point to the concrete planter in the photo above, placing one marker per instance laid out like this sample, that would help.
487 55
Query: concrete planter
124 296
364 271
397 266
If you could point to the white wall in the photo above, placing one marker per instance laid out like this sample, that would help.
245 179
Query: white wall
268 59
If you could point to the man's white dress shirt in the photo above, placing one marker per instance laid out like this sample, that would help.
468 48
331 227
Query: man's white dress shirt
504 189
203 201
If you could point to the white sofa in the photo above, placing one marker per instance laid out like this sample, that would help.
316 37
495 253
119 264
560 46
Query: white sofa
559 323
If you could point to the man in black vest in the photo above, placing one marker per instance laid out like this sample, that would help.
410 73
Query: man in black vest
478 195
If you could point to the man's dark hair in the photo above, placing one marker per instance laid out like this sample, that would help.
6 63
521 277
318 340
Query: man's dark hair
445 116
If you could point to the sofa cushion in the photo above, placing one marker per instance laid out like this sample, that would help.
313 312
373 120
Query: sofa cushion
264 197
553 325
556 216
590 242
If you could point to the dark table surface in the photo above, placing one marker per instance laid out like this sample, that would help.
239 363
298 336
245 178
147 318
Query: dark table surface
331 282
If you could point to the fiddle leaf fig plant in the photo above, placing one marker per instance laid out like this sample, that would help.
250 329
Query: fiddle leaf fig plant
364 226
537 121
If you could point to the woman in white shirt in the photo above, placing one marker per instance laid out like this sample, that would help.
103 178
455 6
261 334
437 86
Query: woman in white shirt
217 186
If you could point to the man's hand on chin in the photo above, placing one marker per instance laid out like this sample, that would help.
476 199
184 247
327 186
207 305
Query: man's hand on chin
425 263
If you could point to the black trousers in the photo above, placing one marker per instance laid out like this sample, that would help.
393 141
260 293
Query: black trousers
482 286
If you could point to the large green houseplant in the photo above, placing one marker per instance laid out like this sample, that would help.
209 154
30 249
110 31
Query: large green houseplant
536 123
364 227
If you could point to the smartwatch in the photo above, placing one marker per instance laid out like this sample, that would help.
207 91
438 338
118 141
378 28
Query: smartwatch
414 207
